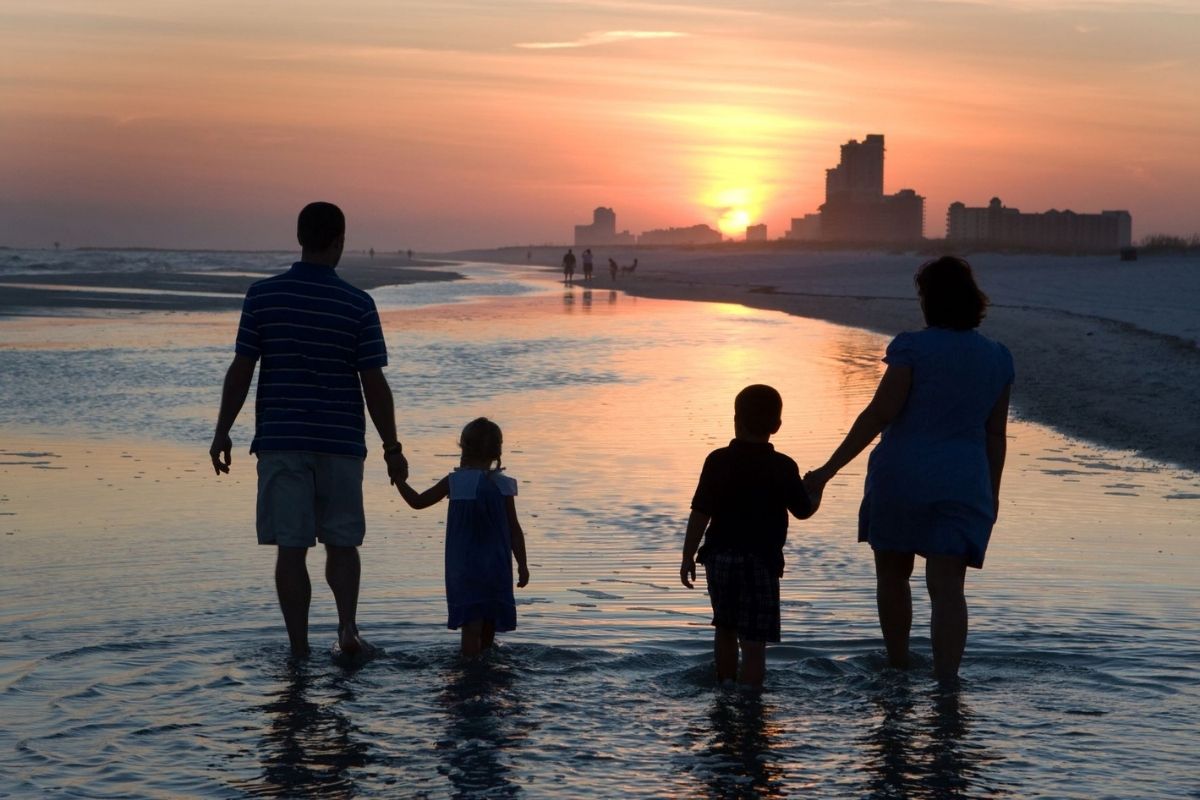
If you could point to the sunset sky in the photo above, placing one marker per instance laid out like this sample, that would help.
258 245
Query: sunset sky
456 123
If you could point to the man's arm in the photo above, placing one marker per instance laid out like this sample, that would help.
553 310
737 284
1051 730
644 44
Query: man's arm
233 397
378 397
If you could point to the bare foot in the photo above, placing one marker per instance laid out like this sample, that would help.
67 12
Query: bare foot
349 641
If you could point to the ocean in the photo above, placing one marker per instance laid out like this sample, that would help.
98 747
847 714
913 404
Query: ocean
142 653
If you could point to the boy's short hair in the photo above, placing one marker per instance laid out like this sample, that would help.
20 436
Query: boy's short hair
319 226
758 410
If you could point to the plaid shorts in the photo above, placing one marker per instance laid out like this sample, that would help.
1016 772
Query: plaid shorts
744 592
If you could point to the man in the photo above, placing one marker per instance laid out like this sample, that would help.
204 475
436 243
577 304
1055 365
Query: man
322 352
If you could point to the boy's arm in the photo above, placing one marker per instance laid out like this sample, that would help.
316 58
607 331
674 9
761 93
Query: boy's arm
517 535
801 502
435 494
697 524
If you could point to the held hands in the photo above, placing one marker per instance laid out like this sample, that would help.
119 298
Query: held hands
397 467
687 571
522 576
814 484
222 445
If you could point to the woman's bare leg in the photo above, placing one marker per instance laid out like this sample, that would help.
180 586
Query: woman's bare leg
944 577
487 635
472 641
893 597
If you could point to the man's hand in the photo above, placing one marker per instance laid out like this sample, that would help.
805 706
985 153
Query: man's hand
687 572
397 467
522 576
222 445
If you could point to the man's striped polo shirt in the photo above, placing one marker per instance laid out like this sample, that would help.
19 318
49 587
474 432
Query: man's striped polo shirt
313 333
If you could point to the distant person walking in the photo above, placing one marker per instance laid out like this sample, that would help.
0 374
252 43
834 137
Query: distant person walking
568 266
587 264
612 268
933 481
322 352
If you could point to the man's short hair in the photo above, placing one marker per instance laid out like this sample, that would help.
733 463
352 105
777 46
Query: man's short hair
758 410
319 226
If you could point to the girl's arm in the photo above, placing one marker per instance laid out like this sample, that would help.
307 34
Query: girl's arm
885 406
435 494
518 541
997 443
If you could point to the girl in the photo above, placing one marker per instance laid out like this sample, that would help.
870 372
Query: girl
481 532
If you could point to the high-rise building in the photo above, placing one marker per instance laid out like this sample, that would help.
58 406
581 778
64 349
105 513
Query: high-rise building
602 231
860 173
997 225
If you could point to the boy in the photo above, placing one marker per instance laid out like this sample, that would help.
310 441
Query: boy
740 508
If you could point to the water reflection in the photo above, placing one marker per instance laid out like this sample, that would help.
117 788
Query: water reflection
477 749
740 748
309 748
915 754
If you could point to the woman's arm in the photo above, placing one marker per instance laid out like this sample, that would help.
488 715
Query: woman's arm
890 397
434 494
997 443
517 535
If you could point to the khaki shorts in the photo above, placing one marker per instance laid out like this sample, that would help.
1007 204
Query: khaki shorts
304 498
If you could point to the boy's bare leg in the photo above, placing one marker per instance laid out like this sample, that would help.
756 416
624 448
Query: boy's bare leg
754 663
944 577
893 596
725 649
343 571
295 593
472 640
487 635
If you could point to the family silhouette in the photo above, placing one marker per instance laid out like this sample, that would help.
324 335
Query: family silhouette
932 485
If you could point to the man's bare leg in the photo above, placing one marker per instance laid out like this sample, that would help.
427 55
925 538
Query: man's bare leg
754 663
893 596
343 571
725 650
295 594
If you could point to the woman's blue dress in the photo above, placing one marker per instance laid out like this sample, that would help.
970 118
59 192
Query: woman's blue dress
479 579
928 487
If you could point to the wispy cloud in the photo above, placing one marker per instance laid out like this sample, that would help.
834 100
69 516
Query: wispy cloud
601 37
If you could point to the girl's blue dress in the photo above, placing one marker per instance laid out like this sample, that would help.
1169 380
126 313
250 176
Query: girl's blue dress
928 488
479 579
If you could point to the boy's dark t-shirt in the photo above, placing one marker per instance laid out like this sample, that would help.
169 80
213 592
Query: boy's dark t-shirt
748 489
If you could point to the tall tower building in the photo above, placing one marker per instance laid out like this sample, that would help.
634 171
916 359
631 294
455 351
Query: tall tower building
859 176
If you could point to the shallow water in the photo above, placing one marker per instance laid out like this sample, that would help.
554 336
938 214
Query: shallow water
141 653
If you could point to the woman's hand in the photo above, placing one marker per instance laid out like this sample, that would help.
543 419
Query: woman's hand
814 484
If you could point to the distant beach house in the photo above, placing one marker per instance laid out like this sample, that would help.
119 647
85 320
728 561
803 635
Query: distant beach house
696 234
756 233
602 231
996 225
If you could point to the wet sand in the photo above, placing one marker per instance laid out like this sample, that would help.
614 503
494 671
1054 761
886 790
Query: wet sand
1105 351
158 290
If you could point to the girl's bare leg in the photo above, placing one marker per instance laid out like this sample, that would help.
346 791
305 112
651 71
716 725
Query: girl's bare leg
893 596
472 642
944 577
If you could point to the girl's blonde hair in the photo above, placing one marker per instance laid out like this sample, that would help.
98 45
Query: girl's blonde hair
481 440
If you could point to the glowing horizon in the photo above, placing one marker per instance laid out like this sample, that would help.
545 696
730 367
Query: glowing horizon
210 125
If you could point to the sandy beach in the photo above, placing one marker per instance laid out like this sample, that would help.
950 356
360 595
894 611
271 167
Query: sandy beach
1106 351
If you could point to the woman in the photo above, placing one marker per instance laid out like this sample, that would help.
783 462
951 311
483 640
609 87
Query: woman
933 482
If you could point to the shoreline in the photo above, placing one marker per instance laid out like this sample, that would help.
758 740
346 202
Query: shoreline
1105 352
190 290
